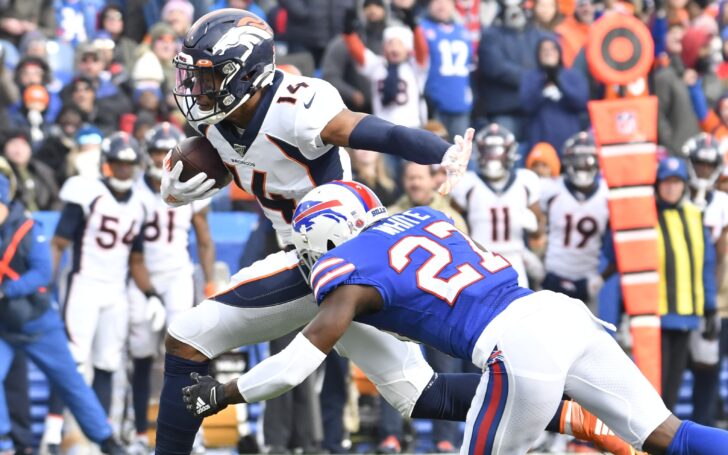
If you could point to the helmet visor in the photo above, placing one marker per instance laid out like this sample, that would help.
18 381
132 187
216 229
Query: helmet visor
196 90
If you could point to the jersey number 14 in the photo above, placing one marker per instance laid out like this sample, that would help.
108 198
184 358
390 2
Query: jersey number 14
427 274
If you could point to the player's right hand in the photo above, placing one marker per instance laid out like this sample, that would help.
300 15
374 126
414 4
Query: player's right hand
455 161
176 193
155 312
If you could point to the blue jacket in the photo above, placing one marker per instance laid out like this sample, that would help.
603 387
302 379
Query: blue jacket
548 120
25 297
504 55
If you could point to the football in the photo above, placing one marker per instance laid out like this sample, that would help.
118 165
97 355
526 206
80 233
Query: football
198 155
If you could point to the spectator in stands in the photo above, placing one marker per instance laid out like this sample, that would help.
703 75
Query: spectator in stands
103 113
723 299
676 121
369 168
546 14
398 76
111 21
157 59
36 186
448 81
33 70
544 161
61 140
76 20
30 116
552 97
22 16
506 51
697 56
91 64
339 68
313 23
178 14
573 30
700 16
86 159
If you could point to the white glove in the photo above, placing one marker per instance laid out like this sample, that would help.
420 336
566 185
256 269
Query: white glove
552 92
594 284
455 161
176 193
529 221
155 312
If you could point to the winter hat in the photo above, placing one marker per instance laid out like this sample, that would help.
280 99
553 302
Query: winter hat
401 33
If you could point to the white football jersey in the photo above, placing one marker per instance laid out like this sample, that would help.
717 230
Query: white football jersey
166 232
715 216
111 225
281 156
409 107
575 229
495 216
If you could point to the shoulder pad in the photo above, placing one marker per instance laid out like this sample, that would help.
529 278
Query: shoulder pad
82 191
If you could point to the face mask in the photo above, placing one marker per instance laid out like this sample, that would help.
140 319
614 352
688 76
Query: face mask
155 172
121 186
493 170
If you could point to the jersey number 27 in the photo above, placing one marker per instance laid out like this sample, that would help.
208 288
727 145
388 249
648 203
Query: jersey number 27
427 274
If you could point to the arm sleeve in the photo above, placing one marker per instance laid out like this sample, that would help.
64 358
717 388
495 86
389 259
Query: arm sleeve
420 146
700 105
71 221
137 245
608 248
709 284
367 62
39 268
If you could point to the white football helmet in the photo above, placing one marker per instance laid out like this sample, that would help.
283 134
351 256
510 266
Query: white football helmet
329 215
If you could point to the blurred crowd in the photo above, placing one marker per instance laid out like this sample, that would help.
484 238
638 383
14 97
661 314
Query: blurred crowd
74 72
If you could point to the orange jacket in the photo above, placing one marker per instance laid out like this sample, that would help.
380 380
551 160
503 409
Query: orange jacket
572 37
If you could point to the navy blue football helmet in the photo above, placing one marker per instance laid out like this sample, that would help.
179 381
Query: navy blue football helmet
163 136
497 151
226 56
580 160
120 147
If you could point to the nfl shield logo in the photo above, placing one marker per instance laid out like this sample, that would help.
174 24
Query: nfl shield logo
240 149
626 123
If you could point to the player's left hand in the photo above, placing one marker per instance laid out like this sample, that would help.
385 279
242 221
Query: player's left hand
154 311
455 161
205 397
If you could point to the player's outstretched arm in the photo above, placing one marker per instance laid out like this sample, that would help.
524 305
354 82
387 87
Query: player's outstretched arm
367 132
287 369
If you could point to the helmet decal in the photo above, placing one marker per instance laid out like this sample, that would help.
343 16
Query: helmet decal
310 210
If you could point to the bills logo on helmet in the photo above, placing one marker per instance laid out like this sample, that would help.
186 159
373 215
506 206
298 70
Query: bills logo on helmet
308 211
249 34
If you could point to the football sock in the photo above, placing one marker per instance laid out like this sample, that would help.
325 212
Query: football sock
692 438
447 397
140 385
580 423
102 388
176 428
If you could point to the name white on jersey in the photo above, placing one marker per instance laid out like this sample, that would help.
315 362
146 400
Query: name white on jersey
110 229
494 216
575 230
281 156
166 232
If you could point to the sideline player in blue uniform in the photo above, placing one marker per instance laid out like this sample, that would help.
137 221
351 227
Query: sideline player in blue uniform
416 275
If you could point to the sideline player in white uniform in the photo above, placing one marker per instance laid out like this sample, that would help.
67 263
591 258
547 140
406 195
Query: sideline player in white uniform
575 206
501 204
101 220
390 272
166 256
279 135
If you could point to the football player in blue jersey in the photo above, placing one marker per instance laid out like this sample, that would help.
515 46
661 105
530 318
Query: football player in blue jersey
416 275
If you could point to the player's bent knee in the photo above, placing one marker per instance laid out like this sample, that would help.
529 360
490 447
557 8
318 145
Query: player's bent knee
178 348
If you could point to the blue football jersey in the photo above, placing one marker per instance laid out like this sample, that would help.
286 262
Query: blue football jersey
438 287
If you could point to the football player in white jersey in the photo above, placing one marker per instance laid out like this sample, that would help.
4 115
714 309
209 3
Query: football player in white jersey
575 206
279 135
166 256
101 220
501 203
705 165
